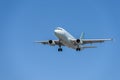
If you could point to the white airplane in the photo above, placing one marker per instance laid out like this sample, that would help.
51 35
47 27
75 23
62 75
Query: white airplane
66 39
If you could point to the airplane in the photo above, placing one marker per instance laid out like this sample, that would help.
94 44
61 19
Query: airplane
66 39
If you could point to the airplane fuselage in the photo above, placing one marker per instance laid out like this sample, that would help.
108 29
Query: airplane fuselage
65 37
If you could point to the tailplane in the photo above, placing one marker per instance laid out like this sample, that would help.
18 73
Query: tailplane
88 47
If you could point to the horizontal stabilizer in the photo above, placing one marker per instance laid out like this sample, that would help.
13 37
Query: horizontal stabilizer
88 47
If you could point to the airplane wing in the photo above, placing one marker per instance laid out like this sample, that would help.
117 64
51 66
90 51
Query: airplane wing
52 43
89 41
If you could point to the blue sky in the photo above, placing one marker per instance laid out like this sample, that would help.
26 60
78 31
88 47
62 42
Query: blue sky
24 21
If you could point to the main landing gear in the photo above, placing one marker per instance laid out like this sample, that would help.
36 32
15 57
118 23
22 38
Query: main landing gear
78 49
60 49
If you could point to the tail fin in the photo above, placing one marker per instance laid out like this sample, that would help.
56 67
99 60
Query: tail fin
82 35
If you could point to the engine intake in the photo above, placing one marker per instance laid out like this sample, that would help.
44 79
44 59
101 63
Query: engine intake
78 40
51 42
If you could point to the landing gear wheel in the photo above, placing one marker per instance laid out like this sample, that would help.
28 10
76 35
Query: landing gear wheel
77 49
59 49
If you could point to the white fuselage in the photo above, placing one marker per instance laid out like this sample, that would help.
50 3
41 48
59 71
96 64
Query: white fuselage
65 37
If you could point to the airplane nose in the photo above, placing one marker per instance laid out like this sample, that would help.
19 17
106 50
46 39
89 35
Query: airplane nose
55 31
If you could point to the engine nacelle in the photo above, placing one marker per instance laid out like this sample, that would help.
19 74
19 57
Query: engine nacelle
51 43
79 41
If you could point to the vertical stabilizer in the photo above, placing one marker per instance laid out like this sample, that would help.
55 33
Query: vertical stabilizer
82 35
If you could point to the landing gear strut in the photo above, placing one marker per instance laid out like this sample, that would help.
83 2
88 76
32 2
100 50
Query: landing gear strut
59 49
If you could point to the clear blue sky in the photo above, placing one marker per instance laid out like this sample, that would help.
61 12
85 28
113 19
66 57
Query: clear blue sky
24 21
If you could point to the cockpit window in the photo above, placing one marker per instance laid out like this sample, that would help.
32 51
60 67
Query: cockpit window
58 28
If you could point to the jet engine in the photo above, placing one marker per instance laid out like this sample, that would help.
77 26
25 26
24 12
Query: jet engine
51 43
79 41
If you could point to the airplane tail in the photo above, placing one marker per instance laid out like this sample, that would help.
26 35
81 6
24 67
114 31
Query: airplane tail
83 47
88 47
82 35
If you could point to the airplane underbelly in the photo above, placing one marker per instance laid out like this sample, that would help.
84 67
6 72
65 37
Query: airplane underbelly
68 43
65 40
